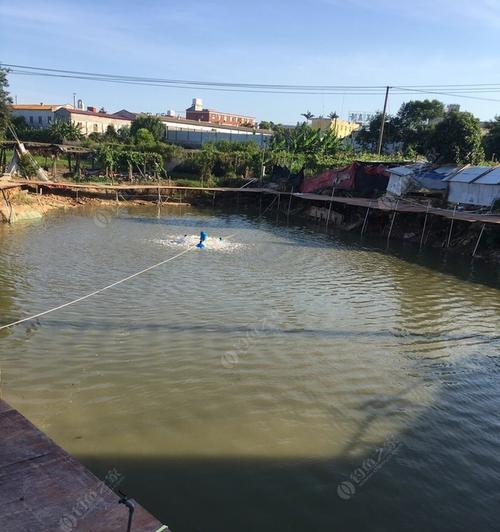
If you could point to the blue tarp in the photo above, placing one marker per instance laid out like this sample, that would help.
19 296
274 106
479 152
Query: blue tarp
431 180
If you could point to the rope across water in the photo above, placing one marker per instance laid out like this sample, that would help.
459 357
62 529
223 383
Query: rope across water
100 290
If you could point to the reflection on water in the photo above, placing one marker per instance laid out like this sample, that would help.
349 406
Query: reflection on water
236 388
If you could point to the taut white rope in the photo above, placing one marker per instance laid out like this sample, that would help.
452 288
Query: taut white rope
44 313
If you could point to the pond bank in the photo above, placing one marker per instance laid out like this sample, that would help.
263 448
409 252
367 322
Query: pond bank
466 233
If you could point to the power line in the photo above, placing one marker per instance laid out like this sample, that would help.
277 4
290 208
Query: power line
468 91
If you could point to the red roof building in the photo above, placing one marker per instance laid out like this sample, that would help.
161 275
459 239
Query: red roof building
198 113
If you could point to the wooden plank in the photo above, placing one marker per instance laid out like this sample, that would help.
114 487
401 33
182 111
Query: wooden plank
381 204
42 488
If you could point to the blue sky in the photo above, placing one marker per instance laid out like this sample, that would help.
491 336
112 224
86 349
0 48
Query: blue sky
360 42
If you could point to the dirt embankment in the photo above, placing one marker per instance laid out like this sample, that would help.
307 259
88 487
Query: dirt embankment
25 205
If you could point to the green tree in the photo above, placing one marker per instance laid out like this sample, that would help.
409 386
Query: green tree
491 140
264 124
123 134
457 139
111 132
368 135
308 115
60 131
303 148
415 123
144 138
5 101
152 123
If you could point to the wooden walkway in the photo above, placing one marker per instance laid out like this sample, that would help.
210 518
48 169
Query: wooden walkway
381 204
6 185
393 204
44 489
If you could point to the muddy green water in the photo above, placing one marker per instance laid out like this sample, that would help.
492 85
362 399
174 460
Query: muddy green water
283 381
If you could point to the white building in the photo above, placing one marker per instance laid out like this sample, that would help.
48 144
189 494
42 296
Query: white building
90 121
194 133
37 115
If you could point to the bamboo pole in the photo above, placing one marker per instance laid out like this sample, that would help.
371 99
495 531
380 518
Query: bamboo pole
329 209
451 227
8 205
365 221
289 207
478 240
392 222
425 224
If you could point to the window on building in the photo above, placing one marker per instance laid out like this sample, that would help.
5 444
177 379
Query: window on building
49 119
96 128
31 120
40 120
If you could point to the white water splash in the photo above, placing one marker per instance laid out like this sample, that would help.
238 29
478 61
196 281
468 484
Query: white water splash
189 241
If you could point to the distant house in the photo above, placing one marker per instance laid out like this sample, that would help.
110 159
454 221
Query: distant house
342 128
37 115
90 121
194 133
197 112
123 113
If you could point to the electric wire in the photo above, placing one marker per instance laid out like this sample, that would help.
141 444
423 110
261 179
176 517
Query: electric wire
469 91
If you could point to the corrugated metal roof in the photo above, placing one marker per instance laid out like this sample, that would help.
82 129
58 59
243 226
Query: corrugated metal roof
491 178
469 174
447 170
406 170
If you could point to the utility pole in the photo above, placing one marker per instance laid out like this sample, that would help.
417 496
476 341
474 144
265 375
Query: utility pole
74 100
382 123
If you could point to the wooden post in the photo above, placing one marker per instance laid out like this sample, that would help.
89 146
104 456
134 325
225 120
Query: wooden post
260 204
213 200
278 208
382 123
478 240
451 227
289 207
8 205
365 221
392 222
329 209
54 166
425 224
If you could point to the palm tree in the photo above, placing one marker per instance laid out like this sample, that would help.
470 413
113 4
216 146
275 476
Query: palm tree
333 116
308 115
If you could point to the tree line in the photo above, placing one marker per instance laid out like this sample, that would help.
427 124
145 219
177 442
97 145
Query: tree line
428 128
420 128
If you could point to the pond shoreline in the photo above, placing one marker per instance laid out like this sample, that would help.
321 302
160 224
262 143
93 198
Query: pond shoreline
459 236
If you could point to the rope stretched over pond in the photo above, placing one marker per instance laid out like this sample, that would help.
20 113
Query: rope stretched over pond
116 283
95 292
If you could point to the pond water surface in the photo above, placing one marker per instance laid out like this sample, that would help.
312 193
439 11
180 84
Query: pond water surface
279 380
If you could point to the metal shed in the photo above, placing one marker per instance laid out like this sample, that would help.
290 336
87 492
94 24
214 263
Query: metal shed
401 177
475 185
